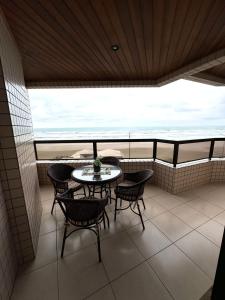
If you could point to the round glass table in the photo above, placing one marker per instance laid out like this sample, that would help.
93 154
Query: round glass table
92 180
86 174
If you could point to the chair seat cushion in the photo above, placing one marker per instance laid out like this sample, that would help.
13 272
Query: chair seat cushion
74 185
126 183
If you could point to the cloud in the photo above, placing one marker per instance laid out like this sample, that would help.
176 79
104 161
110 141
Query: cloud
182 102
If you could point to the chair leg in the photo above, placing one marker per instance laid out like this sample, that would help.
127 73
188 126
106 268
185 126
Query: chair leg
64 239
104 220
84 191
98 242
105 213
53 204
142 199
115 209
140 216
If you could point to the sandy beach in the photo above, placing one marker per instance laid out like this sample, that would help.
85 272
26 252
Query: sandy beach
187 152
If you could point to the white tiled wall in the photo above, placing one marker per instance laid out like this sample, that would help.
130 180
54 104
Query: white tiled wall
18 169
173 180
8 260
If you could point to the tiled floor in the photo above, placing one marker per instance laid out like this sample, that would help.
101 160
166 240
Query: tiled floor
174 258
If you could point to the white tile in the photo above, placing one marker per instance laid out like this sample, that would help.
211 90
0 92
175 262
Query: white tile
205 207
39 285
119 255
148 241
201 251
179 274
171 226
104 294
189 215
80 274
140 283
213 231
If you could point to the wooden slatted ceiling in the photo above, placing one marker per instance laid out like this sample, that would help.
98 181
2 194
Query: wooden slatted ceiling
217 71
71 40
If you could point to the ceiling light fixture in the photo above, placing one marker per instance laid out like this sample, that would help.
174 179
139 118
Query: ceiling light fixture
115 47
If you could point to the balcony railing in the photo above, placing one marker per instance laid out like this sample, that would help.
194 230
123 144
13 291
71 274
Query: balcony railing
170 151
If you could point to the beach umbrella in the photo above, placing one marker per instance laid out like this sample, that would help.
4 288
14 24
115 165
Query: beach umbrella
110 152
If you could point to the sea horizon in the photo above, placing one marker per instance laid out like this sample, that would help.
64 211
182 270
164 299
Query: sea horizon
176 132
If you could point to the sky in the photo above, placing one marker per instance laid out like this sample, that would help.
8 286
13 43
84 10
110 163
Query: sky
179 104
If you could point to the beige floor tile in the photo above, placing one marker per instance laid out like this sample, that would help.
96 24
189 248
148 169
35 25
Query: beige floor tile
39 285
179 274
48 223
119 255
189 215
148 241
140 283
205 207
171 226
127 218
201 251
47 206
104 294
217 197
220 218
168 201
80 274
152 190
46 252
153 208
76 241
203 190
188 195
114 227
47 192
213 231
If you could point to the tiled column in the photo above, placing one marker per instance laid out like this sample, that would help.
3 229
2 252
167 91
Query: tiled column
8 261
17 160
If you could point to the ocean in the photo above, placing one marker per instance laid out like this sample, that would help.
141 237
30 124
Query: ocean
175 133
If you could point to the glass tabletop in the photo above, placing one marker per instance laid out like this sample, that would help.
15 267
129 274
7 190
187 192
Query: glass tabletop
86 174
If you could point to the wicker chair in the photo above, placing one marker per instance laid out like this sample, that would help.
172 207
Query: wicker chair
109 160
84 213
60 176
132 190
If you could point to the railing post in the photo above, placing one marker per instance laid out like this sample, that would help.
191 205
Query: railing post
95 150
154 150
35 150
211 149
175 153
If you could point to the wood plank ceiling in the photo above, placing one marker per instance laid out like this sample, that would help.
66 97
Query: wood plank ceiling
71 40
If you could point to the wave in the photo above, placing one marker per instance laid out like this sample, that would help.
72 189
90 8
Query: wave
121 133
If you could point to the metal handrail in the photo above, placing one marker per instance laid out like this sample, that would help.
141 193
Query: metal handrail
155 142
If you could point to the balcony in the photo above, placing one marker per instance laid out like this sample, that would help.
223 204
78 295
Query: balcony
174 258
57 44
